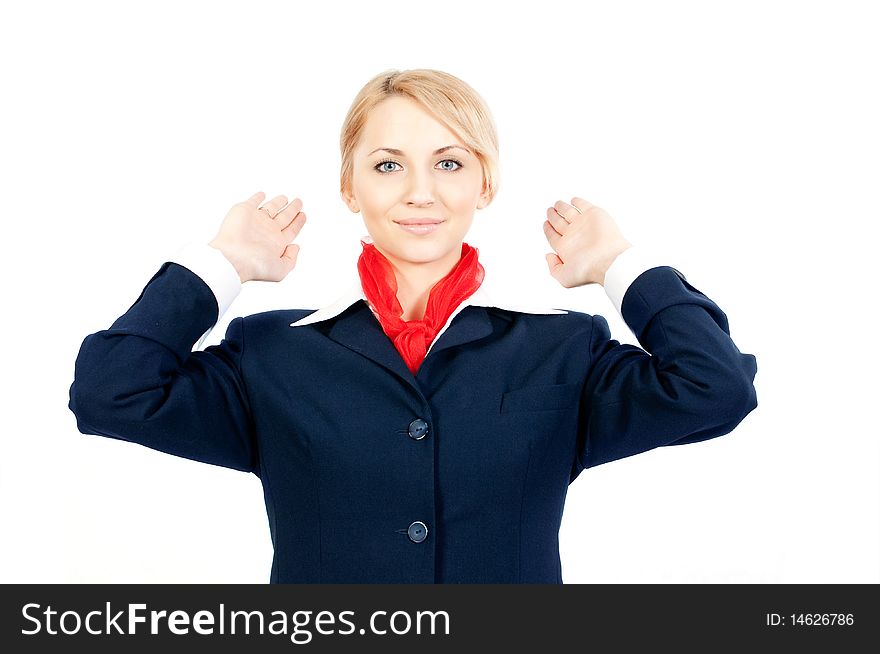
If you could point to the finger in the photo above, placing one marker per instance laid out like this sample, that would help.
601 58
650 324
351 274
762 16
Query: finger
289 233
568 212
274 205
581 204
255 199
553 237
556 221
288 213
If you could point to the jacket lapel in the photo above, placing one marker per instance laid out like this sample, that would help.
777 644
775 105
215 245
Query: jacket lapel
359 330
470 324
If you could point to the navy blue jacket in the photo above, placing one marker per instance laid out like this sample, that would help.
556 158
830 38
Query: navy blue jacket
371 474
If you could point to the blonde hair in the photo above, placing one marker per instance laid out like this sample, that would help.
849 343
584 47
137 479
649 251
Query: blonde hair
453 102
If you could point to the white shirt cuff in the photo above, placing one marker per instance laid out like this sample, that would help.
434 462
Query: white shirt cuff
623 271
214 269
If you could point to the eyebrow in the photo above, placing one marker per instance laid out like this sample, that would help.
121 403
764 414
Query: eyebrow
438 151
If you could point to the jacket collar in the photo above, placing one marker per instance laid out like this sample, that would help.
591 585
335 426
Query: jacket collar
360 330
355 292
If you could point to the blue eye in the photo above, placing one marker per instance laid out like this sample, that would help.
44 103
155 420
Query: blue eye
382 163
378 168
452 161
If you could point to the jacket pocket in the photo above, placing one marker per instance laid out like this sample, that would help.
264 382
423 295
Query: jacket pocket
540 398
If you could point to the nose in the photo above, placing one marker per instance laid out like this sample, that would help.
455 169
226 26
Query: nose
420 190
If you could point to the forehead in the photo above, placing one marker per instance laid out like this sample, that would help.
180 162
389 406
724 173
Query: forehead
402 123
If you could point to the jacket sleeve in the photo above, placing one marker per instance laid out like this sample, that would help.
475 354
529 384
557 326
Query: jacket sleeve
140 381
689 384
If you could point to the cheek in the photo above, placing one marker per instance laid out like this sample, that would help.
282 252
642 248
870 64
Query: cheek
456 194
465 190
375 198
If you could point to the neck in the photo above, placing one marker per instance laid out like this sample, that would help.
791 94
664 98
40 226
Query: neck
415 281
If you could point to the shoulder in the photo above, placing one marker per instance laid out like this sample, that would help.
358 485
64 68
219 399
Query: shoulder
273 321
548 325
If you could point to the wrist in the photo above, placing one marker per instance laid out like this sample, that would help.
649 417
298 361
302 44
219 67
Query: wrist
603 270
243 274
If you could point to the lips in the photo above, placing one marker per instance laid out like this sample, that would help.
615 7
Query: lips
419 221
419 226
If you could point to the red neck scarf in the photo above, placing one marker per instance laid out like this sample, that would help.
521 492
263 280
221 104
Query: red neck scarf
412 337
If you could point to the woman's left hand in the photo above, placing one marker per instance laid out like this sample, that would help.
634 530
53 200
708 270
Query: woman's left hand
586 241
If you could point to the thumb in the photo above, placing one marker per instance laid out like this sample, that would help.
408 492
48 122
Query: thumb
289 257
554 263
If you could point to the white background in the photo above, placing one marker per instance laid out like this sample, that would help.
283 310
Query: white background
738 139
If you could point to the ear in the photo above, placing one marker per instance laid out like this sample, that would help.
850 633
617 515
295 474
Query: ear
349 199
484 199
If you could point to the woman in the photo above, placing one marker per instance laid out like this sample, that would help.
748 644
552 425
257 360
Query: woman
413 431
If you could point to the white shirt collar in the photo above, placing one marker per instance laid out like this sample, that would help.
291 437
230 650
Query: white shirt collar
355 292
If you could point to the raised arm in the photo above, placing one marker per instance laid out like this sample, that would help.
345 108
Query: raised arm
689 383
141 382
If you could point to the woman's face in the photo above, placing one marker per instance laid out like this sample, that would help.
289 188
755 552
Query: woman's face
441 190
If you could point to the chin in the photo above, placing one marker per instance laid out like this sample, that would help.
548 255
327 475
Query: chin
424 252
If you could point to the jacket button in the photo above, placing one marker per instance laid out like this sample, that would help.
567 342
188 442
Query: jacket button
418 429
417 532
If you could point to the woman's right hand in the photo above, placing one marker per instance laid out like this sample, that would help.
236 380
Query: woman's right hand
257 239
